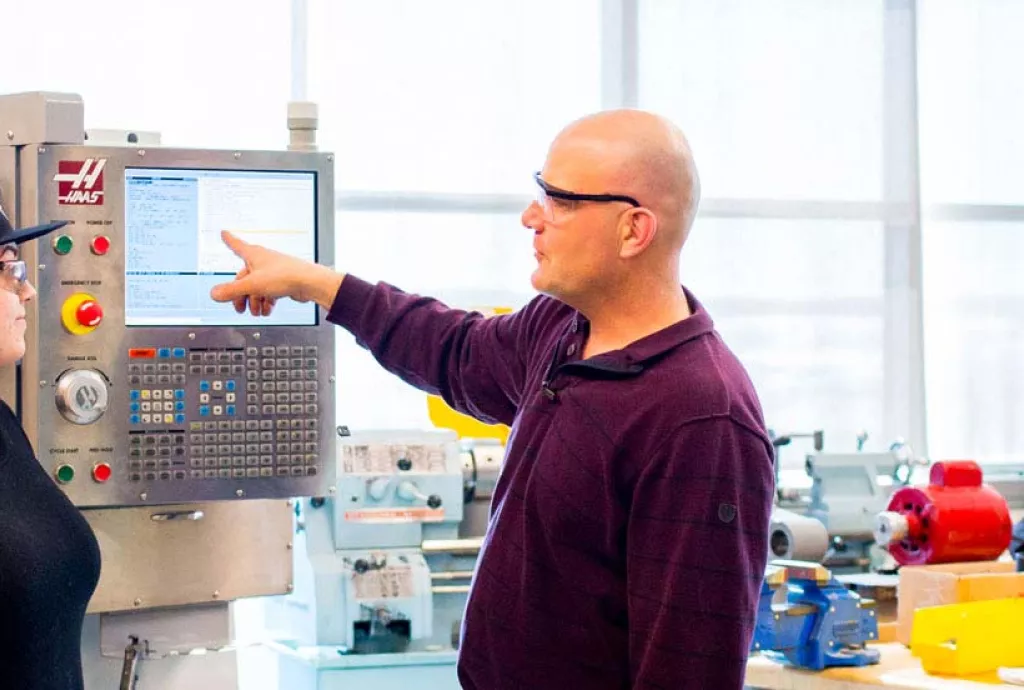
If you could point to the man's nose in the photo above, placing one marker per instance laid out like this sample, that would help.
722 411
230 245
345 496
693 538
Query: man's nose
28 291
533 217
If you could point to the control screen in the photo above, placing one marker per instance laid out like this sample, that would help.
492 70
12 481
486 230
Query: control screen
174 253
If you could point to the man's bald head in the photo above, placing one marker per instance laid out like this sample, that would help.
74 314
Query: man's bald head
636 153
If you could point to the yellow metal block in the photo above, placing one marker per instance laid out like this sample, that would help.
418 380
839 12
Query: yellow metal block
969 639
444 417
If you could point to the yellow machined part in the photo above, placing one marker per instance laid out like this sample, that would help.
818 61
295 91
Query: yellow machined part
444 417
67 313
970 638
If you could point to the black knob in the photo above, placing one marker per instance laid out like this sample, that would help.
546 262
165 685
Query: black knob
404 464
434 501
361 566
316 501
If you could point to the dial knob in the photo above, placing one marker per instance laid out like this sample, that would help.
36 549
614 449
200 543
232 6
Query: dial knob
408 491
377 488
81 395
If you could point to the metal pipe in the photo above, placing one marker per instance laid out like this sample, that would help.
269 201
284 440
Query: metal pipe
450 589
452 575
455 547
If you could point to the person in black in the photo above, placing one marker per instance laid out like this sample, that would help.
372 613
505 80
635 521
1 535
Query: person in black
49 557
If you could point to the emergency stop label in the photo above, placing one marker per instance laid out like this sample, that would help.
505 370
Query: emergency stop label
80 183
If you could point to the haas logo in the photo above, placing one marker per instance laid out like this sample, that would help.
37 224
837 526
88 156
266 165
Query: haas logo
80 182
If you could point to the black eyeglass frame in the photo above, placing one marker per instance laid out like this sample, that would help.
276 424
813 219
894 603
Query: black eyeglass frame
566 195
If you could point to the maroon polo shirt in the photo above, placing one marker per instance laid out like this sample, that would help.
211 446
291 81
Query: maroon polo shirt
628 531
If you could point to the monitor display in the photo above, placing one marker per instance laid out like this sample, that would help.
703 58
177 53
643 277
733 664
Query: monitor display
174 253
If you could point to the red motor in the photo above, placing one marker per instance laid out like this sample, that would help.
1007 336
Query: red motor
954 518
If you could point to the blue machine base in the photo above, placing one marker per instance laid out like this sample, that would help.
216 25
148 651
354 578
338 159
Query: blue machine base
846 657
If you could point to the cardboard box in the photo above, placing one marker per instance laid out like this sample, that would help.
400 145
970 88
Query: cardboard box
952 583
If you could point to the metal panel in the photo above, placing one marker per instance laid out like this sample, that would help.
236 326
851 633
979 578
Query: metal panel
34 117
57 354
170 556
8 200
905 414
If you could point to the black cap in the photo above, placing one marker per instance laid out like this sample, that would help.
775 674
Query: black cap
8 235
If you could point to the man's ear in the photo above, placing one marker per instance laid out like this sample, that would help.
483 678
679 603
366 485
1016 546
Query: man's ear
637 230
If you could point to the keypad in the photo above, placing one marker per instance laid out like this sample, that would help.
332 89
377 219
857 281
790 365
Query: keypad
225 414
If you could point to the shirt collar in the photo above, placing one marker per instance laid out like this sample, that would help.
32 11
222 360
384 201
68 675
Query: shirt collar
633 358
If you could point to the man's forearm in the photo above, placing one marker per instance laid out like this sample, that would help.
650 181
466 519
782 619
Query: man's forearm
321 285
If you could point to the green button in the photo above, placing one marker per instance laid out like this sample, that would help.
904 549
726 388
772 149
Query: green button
62 245
65 473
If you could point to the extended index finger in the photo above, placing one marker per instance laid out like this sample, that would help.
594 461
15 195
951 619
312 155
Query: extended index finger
239 246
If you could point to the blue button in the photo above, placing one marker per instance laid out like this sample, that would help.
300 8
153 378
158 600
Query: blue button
179 405
204 385
164 352
179 394
229 385
179 419
204 410
134 407
179 352
230 409
134 419
134 395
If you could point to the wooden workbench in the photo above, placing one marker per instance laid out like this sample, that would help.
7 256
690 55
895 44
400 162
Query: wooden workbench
897 669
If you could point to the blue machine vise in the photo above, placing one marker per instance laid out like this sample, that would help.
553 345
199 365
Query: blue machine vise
818 623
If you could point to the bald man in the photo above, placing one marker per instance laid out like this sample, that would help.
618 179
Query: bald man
628 532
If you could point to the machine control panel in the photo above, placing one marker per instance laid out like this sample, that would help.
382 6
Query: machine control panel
149 391
248 413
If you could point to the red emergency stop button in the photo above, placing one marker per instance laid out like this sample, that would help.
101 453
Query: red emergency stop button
89 314
100 245
101 472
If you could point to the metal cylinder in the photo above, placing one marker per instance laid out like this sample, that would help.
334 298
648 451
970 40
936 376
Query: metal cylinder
303 119
796 537
890 527
955 518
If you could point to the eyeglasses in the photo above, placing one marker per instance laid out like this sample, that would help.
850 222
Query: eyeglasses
13 276
552 199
